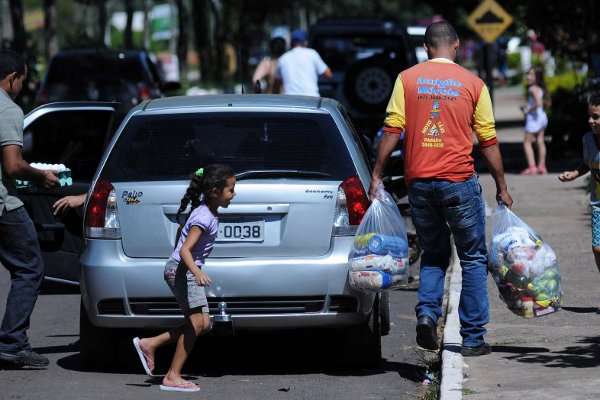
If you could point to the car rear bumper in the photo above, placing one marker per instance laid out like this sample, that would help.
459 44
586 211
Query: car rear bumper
270 293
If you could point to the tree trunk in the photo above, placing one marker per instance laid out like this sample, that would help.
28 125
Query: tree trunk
16 17
128 34
147 8
182 38
102 21
50 41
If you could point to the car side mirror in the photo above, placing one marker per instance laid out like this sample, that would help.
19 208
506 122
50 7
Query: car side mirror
170 86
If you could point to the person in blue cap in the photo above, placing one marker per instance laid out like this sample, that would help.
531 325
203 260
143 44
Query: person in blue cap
299 69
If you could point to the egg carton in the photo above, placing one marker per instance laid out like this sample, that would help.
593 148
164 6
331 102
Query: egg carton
63 173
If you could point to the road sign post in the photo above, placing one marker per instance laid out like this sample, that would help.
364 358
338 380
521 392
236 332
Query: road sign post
489 20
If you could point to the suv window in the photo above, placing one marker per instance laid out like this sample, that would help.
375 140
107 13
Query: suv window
73 138
170 147
339 51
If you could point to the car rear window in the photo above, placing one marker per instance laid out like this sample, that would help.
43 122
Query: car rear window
339 51
100 68
171 147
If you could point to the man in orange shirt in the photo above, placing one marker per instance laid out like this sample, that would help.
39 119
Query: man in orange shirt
438 105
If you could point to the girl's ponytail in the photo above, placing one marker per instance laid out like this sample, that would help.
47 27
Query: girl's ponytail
192 195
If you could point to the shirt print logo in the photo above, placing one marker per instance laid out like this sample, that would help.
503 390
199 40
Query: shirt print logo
434 128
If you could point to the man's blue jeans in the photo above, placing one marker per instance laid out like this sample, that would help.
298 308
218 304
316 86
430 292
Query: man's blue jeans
21 256
438 209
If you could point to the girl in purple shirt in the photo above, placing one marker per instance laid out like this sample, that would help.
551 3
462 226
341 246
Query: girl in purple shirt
211 187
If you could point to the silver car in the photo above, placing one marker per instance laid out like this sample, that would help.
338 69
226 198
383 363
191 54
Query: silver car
281 255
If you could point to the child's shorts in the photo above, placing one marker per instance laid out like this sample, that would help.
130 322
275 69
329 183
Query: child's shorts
596 226
188 292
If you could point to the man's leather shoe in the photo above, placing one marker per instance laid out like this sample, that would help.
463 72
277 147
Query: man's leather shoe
25 358
482 350
427 333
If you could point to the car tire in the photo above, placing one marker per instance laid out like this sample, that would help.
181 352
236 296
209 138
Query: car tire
368 84
384 313
363 343
97 346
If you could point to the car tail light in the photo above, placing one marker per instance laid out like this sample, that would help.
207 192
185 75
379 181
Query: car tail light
144 92
351 206
101 219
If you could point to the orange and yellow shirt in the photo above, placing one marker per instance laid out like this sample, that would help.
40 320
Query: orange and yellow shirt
438 104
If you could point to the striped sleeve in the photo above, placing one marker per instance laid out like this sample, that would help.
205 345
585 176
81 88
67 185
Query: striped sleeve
483 120
395 119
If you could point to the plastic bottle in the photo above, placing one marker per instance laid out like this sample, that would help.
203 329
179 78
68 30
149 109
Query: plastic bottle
527 302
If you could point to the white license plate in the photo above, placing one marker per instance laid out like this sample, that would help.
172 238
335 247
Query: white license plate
253 231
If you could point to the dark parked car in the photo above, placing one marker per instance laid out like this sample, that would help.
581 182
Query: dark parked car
127 77
365 56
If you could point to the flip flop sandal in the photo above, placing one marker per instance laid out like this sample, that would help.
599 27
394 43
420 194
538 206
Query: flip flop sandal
183 387
140 352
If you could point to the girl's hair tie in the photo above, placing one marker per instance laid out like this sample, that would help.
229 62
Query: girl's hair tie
199 172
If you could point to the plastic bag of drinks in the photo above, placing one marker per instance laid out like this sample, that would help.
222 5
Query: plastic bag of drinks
379 256
524 266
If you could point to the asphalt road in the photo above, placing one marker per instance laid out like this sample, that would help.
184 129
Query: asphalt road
295 365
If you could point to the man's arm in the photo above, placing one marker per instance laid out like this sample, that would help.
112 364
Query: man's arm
15 167
493 159
485 129
327 74
393 127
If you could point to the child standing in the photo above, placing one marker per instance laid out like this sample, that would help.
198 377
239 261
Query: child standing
536 122
210 188
591 162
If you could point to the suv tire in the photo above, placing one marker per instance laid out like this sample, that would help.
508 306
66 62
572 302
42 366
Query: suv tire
368 84
363 343
97 346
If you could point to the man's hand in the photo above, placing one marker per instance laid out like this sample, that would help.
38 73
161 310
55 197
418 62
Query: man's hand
504 197
49 179
375 182
568 176
68 202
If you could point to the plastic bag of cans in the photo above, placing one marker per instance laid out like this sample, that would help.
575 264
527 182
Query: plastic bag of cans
524 267
379 256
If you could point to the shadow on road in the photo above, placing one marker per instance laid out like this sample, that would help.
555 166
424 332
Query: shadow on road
269 354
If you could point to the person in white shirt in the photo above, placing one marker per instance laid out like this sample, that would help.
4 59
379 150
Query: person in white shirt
299 69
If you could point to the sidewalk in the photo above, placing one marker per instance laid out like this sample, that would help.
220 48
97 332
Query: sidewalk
557 356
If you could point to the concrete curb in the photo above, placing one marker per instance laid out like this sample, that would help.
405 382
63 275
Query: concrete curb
452 359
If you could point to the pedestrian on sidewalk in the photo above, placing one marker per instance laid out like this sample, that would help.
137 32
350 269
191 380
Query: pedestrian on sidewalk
591 162
211 187
19 248
536 122
299 69
438 104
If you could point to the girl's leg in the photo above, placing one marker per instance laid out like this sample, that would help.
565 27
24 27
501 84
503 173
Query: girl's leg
541 147
196 324
149 345
528 148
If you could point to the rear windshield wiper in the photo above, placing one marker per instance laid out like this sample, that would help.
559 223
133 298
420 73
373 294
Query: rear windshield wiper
281 173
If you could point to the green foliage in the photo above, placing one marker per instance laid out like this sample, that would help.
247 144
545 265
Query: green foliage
513 60
567 81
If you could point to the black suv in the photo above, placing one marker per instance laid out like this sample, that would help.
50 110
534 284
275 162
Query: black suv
126 77
365 56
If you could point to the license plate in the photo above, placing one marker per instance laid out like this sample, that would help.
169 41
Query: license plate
252 231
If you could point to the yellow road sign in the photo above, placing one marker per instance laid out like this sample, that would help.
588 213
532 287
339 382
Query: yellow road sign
489 20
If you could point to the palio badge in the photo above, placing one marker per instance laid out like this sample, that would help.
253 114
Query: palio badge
132 197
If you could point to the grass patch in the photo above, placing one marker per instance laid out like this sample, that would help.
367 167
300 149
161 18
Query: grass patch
467 391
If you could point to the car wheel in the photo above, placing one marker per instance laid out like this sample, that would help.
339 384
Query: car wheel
368 84
384 313
363 343
97 346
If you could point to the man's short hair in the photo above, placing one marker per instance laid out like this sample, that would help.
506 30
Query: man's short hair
594 99
440 34
11 62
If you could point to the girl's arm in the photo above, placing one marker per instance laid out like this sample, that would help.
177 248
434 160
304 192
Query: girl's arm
572 175
186 255
536 92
